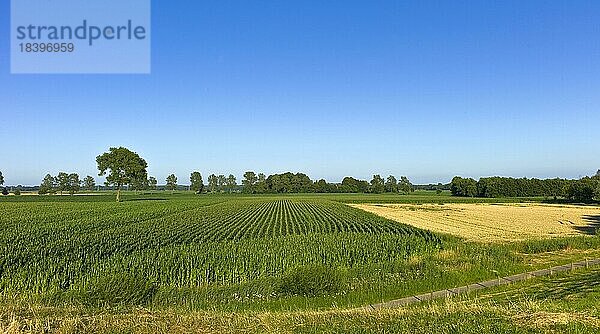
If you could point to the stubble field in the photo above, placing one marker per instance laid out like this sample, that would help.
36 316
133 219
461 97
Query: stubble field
494 222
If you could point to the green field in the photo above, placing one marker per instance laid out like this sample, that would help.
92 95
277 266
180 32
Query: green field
183 253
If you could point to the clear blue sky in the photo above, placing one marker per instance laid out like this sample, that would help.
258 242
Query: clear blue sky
331 88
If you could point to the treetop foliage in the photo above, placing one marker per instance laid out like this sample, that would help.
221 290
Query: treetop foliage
122 165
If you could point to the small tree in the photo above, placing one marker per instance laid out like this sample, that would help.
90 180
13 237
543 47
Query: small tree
122 166
405 186
171 182
47 185
62 182
73 183
196 182
4 191
231 183
17 190
212 183
89 183
152 183
377 184
261 184
249 182
221 182
391 184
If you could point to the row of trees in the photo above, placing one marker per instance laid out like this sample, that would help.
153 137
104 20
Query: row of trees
221 183
65 182
300 183
582 190
253 183
282 183
123 167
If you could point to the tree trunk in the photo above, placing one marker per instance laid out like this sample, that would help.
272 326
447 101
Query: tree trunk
118 193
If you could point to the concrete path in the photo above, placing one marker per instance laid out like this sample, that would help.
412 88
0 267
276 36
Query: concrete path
482 285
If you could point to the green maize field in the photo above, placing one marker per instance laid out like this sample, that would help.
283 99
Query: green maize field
48 248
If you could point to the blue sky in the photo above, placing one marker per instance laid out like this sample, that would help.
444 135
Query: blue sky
424 89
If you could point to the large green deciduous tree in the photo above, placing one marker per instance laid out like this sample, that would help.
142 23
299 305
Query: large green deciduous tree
122 166
196 182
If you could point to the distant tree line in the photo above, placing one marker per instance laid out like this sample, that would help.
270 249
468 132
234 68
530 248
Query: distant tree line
583 190
125 168
300 183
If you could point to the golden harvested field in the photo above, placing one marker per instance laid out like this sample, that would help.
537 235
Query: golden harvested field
493 222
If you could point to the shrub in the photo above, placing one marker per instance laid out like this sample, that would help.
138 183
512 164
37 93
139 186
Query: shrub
4 191
17 191
312 280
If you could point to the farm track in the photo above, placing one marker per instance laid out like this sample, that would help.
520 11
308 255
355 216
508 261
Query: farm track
447 293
